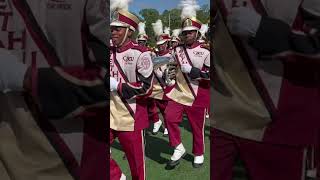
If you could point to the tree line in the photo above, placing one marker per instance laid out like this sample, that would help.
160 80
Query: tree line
150 16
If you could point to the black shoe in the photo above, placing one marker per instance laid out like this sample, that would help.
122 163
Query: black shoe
172 164
196 165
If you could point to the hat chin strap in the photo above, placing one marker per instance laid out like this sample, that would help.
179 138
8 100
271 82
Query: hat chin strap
197 36
124 38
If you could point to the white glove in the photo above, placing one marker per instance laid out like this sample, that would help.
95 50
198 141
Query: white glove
113 84
12 72
312 6
243 21
158 73
186 68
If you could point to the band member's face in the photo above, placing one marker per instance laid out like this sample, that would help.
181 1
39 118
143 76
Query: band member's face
174 43
142 43
163 47
118 34
189 36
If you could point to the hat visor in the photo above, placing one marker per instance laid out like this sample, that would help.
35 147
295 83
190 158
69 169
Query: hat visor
190 28
161 41
142 39
122 24
118 24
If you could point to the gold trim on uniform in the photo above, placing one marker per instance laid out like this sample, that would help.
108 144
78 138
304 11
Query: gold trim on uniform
240 110
157 91
188 21
120 118
181 93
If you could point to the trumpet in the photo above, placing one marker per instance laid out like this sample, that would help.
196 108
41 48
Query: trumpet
170 65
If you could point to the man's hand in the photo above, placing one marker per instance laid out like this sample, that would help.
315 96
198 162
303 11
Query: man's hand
158 73
113 84
243 21
186 68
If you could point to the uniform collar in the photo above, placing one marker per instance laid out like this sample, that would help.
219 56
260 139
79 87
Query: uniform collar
125 47
194 45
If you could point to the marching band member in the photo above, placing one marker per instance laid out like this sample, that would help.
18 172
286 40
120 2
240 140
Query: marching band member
163 39
131 76
190 94
175 40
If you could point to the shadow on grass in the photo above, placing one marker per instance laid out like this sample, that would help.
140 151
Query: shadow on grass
156 147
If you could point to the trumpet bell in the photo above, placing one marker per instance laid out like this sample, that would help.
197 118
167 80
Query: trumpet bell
160 61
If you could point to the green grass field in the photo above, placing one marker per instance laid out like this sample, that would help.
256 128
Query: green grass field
158 152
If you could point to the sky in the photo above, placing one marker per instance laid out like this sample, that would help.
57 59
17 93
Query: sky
161 5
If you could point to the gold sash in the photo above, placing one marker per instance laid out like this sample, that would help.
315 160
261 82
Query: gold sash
238 107
157 91
182 92
121 114
120 117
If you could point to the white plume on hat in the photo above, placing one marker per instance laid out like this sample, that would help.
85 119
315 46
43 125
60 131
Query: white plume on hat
204 29
157 27
119 5
189 8
142 27
167 30
176 32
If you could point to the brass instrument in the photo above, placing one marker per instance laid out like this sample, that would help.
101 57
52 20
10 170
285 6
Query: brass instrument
170 68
